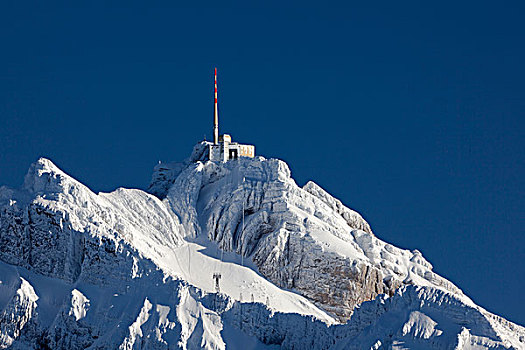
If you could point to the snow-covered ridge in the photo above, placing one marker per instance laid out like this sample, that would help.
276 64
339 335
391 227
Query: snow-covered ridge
130 269
54 231
301 239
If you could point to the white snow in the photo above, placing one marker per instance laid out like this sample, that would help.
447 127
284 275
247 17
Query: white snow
79 304
17 313
196 264
129 270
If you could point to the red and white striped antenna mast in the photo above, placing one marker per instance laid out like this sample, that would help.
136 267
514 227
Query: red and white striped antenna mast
216 116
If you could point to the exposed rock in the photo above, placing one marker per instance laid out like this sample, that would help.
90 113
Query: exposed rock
84 270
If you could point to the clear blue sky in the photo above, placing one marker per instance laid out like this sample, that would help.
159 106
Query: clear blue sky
414 115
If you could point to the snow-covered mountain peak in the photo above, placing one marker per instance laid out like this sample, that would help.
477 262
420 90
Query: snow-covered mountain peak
44 176
47 183
254 208
297 268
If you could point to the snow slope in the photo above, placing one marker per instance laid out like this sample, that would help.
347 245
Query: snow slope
133 270
301 239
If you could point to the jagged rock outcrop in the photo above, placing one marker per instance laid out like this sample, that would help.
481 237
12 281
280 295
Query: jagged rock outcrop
132 270
17 313
64 224
300 238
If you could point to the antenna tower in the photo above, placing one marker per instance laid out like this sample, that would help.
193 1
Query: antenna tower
216 116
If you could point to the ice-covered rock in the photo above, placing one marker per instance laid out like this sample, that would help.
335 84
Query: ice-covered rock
65 223
301 239
17 313
133 270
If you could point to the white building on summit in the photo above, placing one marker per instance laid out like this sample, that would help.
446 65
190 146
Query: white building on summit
223 149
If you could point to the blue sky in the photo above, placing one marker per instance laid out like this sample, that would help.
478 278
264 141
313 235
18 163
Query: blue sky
411 114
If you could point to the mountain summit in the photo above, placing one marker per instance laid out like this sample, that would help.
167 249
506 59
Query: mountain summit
217 255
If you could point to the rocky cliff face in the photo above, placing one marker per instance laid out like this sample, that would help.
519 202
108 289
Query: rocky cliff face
301 239
132 270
